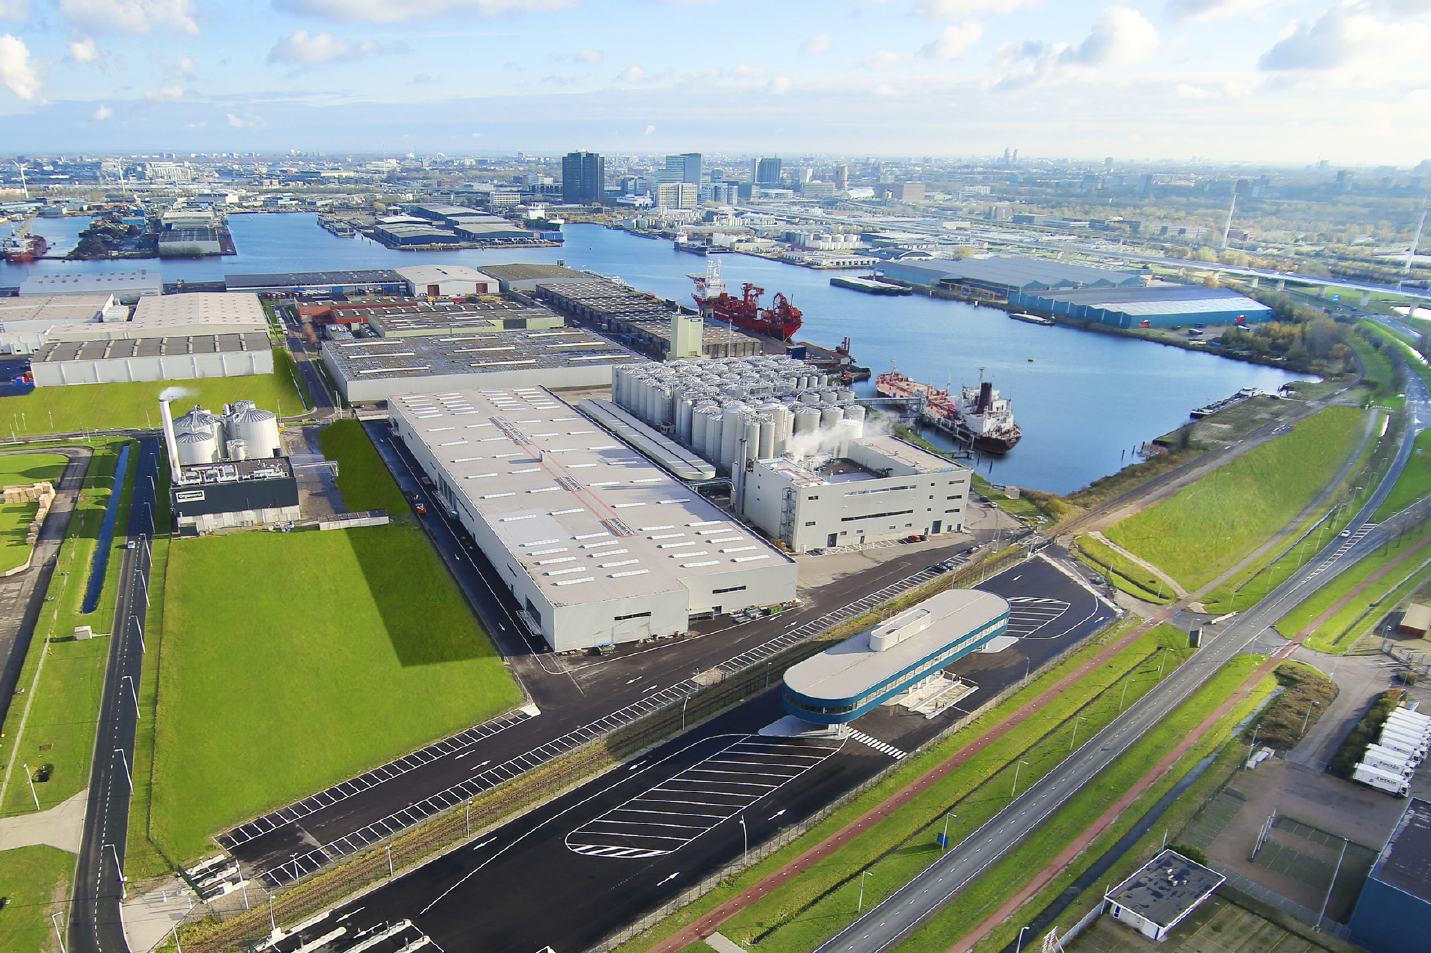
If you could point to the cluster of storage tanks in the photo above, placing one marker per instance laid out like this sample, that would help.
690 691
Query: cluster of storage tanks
241 432
742 408
1389 764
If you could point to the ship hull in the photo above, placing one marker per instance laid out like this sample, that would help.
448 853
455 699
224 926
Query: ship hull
912 394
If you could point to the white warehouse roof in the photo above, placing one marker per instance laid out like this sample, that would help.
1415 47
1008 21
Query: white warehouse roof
180 315
436 274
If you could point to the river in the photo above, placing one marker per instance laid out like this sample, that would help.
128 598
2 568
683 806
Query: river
1084 400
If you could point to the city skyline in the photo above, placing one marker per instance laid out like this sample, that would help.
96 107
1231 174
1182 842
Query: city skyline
1228 80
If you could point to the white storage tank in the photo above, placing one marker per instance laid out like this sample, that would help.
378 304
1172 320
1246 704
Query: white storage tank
199 420
807 420
685 412
844 397
732 428
195 448
830 418
697 439
845 431
767 437
257 428
237 449
751 432
713 436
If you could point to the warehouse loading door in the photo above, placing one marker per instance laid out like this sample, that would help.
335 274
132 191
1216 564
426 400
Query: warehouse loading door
632 628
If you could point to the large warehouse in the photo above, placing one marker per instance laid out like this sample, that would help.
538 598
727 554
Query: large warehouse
1393 913
446 281
27 323
151 359
995 279
597 544
127 287
365 281
641 320
872 667
529 277
1164 306
373 369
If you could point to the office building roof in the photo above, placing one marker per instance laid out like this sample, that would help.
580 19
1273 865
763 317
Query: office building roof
588 518
1165 888
1405 861
124 348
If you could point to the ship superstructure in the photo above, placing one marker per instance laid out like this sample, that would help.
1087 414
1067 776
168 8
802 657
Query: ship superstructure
780 321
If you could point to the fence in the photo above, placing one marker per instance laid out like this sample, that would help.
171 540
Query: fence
1238 884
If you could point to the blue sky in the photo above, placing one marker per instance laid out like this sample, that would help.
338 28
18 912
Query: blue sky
1255 80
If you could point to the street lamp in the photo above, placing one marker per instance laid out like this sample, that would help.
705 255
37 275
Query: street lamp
1124 697
125 762
1020 946
1307 717
1075 730
132 694
139 628
745 840
1017 768
946 829
58 937
271 924
861 908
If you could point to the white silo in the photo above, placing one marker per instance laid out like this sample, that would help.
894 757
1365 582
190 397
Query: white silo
199 420
807 420
257 428
751 433
197 447
845 431
684 413
767 437
784 422
697 438
237 450
855 414
844 397
714 434
732 429
829 417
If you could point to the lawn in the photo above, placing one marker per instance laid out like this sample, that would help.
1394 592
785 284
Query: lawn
79 407
330 653
1123 572
363 478
15 518
1414 482
1205 529
37 882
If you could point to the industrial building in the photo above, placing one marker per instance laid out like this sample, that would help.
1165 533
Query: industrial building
1164 306
596 544
446 281
226 470
904 654
398 234
529 277
1161 894
27 323
373 369
189 242
996 278
641 321
1393 913
477 317
127 287
365 281
61 363
1416 621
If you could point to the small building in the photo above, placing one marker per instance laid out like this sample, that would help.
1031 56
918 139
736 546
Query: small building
1161 894
446 281
233 493
872 667
1393 913
127 287
61 363
1163 306
1416 622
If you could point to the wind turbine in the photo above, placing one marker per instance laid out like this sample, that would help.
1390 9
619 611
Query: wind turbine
23 185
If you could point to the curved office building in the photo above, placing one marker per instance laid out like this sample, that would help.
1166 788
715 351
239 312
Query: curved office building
848 680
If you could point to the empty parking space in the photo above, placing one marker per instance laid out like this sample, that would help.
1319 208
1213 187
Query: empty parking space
1030 617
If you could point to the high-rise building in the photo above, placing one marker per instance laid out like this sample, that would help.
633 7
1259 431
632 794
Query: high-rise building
583 178
767 172
842 178
683 168
677 195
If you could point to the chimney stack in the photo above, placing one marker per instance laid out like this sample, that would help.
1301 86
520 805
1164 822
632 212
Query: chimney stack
169 441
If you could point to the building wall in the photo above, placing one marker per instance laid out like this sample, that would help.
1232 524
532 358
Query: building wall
160 368
1135 920
449 287
1388 920
1113 317
362 390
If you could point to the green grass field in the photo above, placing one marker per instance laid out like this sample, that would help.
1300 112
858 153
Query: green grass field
363 478
330 653
1205 529
49 410
15 518
36 880
1414 482
1127 575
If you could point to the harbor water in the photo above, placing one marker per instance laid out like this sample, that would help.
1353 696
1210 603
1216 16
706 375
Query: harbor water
1085 400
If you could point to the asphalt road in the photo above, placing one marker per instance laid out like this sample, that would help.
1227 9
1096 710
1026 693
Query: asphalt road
94 923
603 855
886 924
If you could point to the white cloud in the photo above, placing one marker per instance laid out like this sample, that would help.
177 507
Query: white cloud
589 56
780 85
885 59
746 71
309 49
185 66
631 74
817 44
17 73
101 114
164 94
86 51
404 11
1353 38
14 9
650 130
131 16
1118 37
1190 91
249 121
959 9
956 38
1212 9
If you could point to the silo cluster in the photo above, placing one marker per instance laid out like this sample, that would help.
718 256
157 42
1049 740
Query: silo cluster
741 408
242 432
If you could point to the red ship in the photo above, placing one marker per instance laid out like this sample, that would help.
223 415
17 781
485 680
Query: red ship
780 321
25 248
977 415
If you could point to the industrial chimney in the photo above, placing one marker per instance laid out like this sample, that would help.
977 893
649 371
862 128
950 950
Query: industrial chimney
169 441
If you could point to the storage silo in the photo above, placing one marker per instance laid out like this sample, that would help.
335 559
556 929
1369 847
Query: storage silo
732 429
715 427
197 447
751 432
845 431
830 417
855 414
685 408
257 428
844 397
697 439
807 420
199 420
767 437
237 450
784 422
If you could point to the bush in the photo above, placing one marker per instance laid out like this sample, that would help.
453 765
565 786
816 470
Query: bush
1344 762
1192 853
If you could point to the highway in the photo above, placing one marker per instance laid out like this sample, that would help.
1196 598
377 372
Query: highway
887 923
94 925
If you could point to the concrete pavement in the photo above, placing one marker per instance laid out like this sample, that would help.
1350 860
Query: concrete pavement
61 826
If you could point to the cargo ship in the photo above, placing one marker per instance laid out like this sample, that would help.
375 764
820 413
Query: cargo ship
780 321
976 415
24 248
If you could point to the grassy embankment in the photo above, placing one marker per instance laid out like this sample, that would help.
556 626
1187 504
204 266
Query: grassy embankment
1123 573
338 652
15 518
1204 530
796 914
1306 693
36 881
62 678
48 410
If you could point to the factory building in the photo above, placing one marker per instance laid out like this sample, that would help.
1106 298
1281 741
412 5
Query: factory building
127 287
595 543
60 363
1161 894
27 323
904 654
478 317
399 234
641 321
373 369
529 277
226 470
1393 913
1170 306
446 281
995 279
365 281
181 315
189 242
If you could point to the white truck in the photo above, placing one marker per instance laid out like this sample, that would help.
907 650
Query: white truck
1382 780
1412 725
1404 747
1416 743
1388 760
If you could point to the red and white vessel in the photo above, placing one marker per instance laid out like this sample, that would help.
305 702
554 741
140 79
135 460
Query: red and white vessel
780 321
976 415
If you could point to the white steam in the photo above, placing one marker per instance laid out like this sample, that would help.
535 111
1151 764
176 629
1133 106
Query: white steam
174 393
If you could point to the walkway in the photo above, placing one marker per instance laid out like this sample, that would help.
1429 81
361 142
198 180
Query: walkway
61 826
1173 584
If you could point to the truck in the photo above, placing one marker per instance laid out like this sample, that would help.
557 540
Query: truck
1410 759
1409 722
1382 780
1386 760
1404 747
1414 739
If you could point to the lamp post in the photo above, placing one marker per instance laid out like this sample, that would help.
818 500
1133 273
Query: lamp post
1075 730
861 908
271 924
125 762
745 841
1307 717
58 937
946 829
134 695
1019 948
1328 898
139 628
29 777
469 816
390 859
1017 768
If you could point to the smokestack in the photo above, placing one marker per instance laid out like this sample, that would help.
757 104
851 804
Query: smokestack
169 441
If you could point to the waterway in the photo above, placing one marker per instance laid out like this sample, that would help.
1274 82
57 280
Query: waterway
1085 400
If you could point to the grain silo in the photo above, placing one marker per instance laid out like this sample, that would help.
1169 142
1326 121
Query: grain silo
196 447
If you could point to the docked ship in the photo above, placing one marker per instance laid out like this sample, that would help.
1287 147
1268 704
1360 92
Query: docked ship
24 248
780 321
976 415
684 243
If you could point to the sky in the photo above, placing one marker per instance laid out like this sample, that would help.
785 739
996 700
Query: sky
1258 81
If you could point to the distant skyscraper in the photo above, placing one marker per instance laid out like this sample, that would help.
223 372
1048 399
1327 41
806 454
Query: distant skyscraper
583 178
683 168
767 172
842 178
